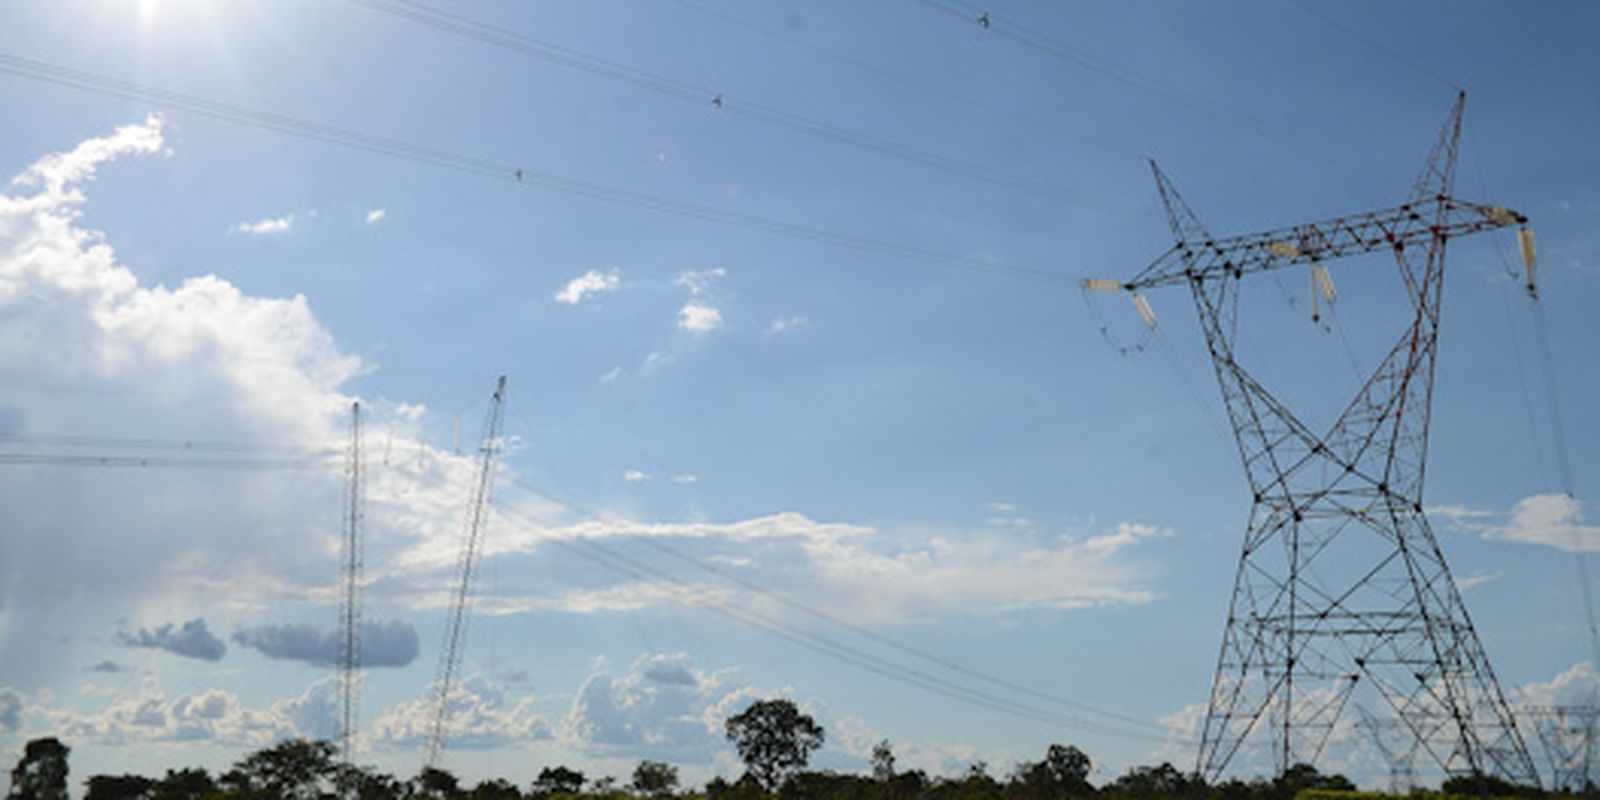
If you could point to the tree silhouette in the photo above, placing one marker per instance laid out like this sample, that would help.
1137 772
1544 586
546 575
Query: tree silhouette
41 773
773 738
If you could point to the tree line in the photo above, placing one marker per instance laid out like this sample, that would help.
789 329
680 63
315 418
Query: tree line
773 738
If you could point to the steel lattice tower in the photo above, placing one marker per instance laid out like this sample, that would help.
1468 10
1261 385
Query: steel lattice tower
1341 583
1568 736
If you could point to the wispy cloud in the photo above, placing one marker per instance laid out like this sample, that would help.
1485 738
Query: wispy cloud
782 324
635 476
376 215
266 227
611 374
1552 520
686 478
592 282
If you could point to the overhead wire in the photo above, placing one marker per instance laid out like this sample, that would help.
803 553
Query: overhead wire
45 72
710 98
839 650
907 80
1074 56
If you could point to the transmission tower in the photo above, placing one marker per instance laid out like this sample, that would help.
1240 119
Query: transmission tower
1568 736
466 568
1398 751
1341 584
350 610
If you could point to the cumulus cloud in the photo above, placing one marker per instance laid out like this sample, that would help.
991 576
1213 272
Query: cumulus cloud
269 225
698 315
664 707
198 361
376 215
592 282
383 644
1575 686
481 716
210 715
192 640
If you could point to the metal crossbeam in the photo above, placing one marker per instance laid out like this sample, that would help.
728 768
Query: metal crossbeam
1342 590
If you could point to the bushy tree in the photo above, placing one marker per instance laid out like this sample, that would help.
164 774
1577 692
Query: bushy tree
1064 772
117 787
1148 783
773 739
296 769
557 780
436 783
654 778
184 784
495 789
41 773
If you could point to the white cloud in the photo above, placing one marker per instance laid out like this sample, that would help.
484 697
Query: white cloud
199 361
634 475
611 374
210 715
1478 578
782 324
376 215
480 714
697 317
686 478
270 225
592 282
1575 686
1553 520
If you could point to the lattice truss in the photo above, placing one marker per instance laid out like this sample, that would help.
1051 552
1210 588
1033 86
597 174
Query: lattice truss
1568 736
1341 586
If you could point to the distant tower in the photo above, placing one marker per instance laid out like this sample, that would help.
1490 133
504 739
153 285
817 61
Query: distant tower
1568 736
1396 744
1341 586
350 610
466 568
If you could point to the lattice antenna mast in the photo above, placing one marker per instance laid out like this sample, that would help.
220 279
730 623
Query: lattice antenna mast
466 569
350 608
1568 736
1341 586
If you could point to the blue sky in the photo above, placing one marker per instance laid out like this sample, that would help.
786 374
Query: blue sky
952 458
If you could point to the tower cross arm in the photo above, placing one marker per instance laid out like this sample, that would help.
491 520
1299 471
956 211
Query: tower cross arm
1395 228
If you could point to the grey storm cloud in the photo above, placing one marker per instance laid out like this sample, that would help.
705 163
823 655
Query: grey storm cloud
383 644
193 640
107 666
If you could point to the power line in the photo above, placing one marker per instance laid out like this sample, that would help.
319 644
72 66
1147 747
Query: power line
907 80
1081 59
1374 44
710 98
45 72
